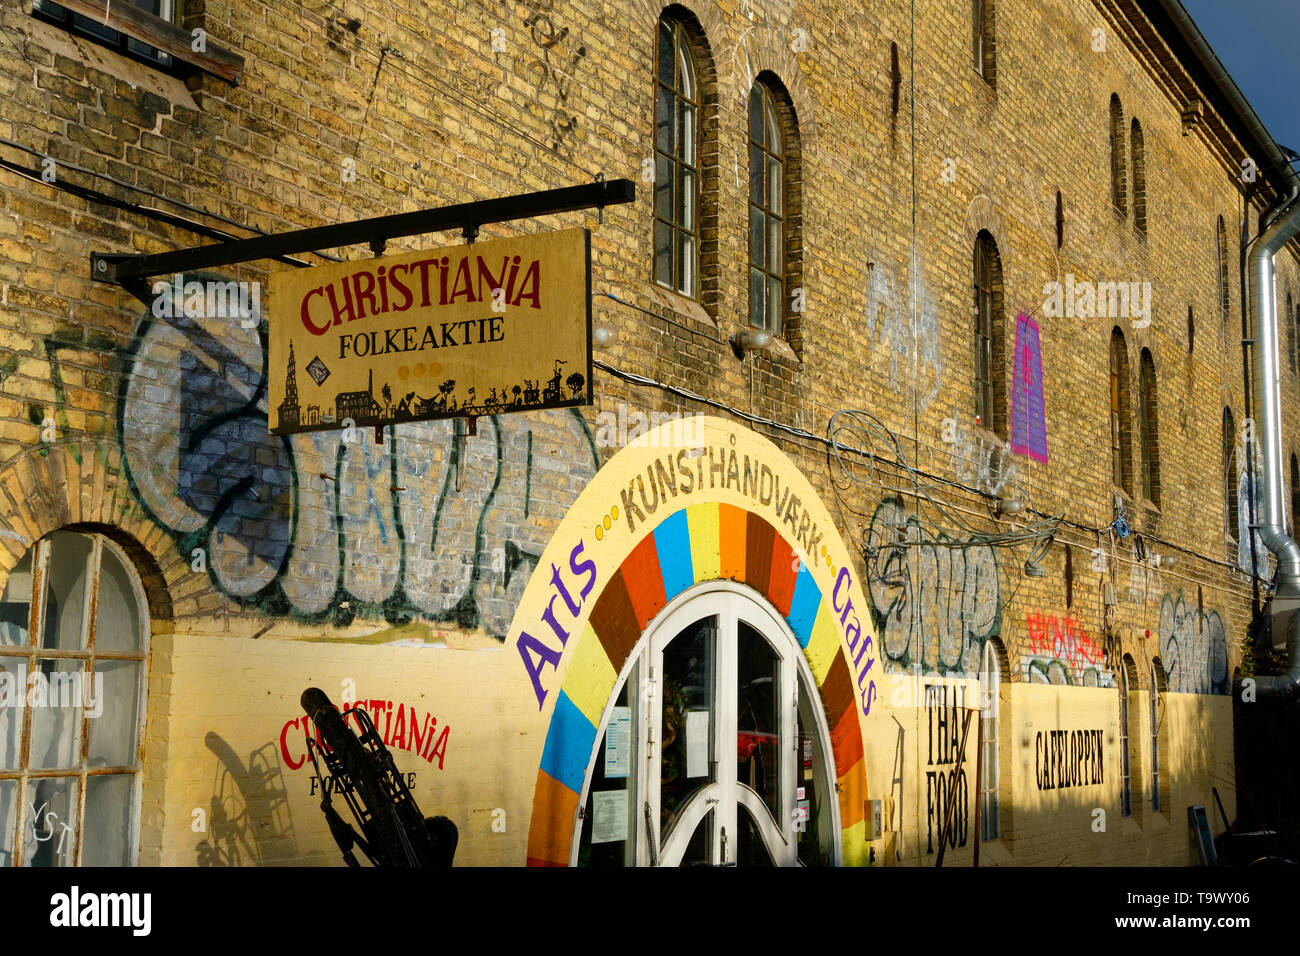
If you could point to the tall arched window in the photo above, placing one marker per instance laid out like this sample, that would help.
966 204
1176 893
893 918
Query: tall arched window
767 210
1225 298
1139 178
1149 429
1121 445
677 162
1118 165
1230 475
74 630
989 345
990 806
983 40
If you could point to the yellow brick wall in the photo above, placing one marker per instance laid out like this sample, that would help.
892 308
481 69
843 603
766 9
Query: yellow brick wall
451 120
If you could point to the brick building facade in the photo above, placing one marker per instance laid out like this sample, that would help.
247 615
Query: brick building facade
999 521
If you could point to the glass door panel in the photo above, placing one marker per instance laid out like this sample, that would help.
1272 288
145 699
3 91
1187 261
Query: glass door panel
688 720
609 818
758 716
751 849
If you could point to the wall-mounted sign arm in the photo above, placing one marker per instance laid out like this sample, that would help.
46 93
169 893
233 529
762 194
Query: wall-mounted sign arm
117 268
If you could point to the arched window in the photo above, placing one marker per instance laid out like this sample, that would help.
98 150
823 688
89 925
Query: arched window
677 162
1225 298
1126 682
73 647
1148 429
1118 184
1121 445
1230 475
989 345
767 210
983 40
990 806
1139 178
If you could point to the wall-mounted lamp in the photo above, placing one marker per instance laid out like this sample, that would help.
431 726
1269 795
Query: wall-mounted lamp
750 340
1165 561
1010 506
602 333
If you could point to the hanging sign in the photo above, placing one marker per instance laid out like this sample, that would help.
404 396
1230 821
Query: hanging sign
481 329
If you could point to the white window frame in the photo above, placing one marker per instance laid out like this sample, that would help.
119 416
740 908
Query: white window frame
713 598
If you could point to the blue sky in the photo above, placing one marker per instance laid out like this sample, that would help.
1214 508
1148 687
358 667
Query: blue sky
1258 42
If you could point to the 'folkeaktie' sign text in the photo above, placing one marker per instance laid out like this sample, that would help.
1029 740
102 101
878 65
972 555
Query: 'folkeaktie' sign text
470 330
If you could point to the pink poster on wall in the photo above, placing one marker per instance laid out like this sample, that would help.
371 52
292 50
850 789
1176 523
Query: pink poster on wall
1028 414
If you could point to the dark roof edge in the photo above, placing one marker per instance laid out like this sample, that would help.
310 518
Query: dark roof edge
1189 45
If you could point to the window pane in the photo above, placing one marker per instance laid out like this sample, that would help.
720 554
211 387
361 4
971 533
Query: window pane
55 698
665 53
688 714
66 591
664 119
758 720
774 245
773 132
699 852
756 115
775 300
8 820
114 710
750 848
756 189
16 604
50 833
757 303
810 774
757 252
13 697
686 137
774 186
686 200
613 786
110 813
663 187
686 275
117 618
686 81
663 254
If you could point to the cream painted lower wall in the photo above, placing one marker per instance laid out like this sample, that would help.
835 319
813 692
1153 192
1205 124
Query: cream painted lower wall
242 692
1060 825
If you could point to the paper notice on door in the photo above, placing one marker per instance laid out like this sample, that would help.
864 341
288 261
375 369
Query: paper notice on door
618 743
609 816
697 743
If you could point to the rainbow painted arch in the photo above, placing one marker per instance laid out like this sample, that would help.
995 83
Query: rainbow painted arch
704 542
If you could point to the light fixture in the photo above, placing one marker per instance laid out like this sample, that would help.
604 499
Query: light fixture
1166 561
1010 506
750 340
602 333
